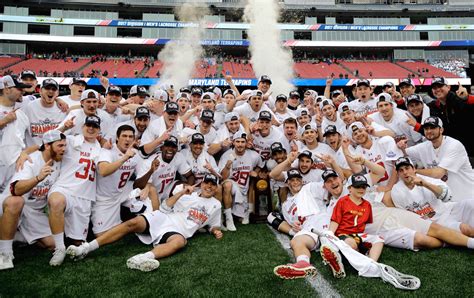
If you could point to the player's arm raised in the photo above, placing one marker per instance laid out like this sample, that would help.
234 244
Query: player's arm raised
20 187
108 168
143 180
168 204
277 172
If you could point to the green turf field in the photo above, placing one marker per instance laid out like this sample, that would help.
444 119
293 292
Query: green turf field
241 264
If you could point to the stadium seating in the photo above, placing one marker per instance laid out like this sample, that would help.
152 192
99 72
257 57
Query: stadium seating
117 67
319 70
7 61
416 67
50 66
152 71
383 69
238 70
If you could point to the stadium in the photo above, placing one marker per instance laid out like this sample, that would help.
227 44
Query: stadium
320 45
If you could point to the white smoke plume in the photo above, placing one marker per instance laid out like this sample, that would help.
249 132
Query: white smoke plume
179 56
269 57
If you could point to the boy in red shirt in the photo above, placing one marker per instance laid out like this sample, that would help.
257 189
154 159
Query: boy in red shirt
351 214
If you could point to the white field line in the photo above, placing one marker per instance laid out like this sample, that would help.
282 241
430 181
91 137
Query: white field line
318 283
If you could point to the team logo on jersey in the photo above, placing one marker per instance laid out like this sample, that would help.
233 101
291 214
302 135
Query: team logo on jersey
39 128
391 154
198 215
425 211
41 191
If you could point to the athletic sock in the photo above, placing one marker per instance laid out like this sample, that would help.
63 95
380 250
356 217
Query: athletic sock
59 241
302 258
470 243
251 208
93 245
149 255
228 213
6 246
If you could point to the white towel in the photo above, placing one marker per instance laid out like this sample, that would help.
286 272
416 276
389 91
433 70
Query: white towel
13 139
305 202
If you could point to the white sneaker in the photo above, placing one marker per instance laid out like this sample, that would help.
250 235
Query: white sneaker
6 261
246 218
398 279
78 252
229 224
58 257
142 263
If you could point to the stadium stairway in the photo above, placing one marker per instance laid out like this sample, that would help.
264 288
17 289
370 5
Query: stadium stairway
6 62
346 68
403 66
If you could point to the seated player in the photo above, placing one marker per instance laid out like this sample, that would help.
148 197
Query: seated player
179 217
350 216
26 200
429 198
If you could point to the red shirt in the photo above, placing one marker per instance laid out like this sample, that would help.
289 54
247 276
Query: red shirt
351 217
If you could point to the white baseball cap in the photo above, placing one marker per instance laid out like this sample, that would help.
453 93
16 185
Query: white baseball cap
160 94
89 93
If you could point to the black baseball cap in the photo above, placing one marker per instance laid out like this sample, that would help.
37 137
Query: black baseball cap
387 84
265 78
293 173
406 81
171 107
363 82
358 180
171 141
207 115
306 153
440 81
265 115
49 82
197 138
277 147
114 89
228 91
210 178
76 81
281 97
330 129
413 97
185 89
294 94
403 161
142 112
28 73
196 91
336 92
433 122
328 174
92 120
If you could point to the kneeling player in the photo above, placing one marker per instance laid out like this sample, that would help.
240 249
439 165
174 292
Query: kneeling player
26 200
179 217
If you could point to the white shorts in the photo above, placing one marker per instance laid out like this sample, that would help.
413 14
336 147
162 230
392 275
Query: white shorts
158 225
6 174
318 222
400 238
76 217
240 204
34 224
106 214
400 218
461 212
310 234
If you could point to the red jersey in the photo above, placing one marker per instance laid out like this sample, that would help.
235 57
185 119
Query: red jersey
351 217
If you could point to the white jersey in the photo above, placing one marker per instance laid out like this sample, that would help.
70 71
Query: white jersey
420 200
209 137
117 116
241 167
361 108
78 168
384 152
157 127
113 185
452 157
340 125
165 175
322 148
262 144
197 164
223 133
37 197
282 117
106 123
247 111
308 201
398 124
192 212
70 102
313 175
42 119
25 101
